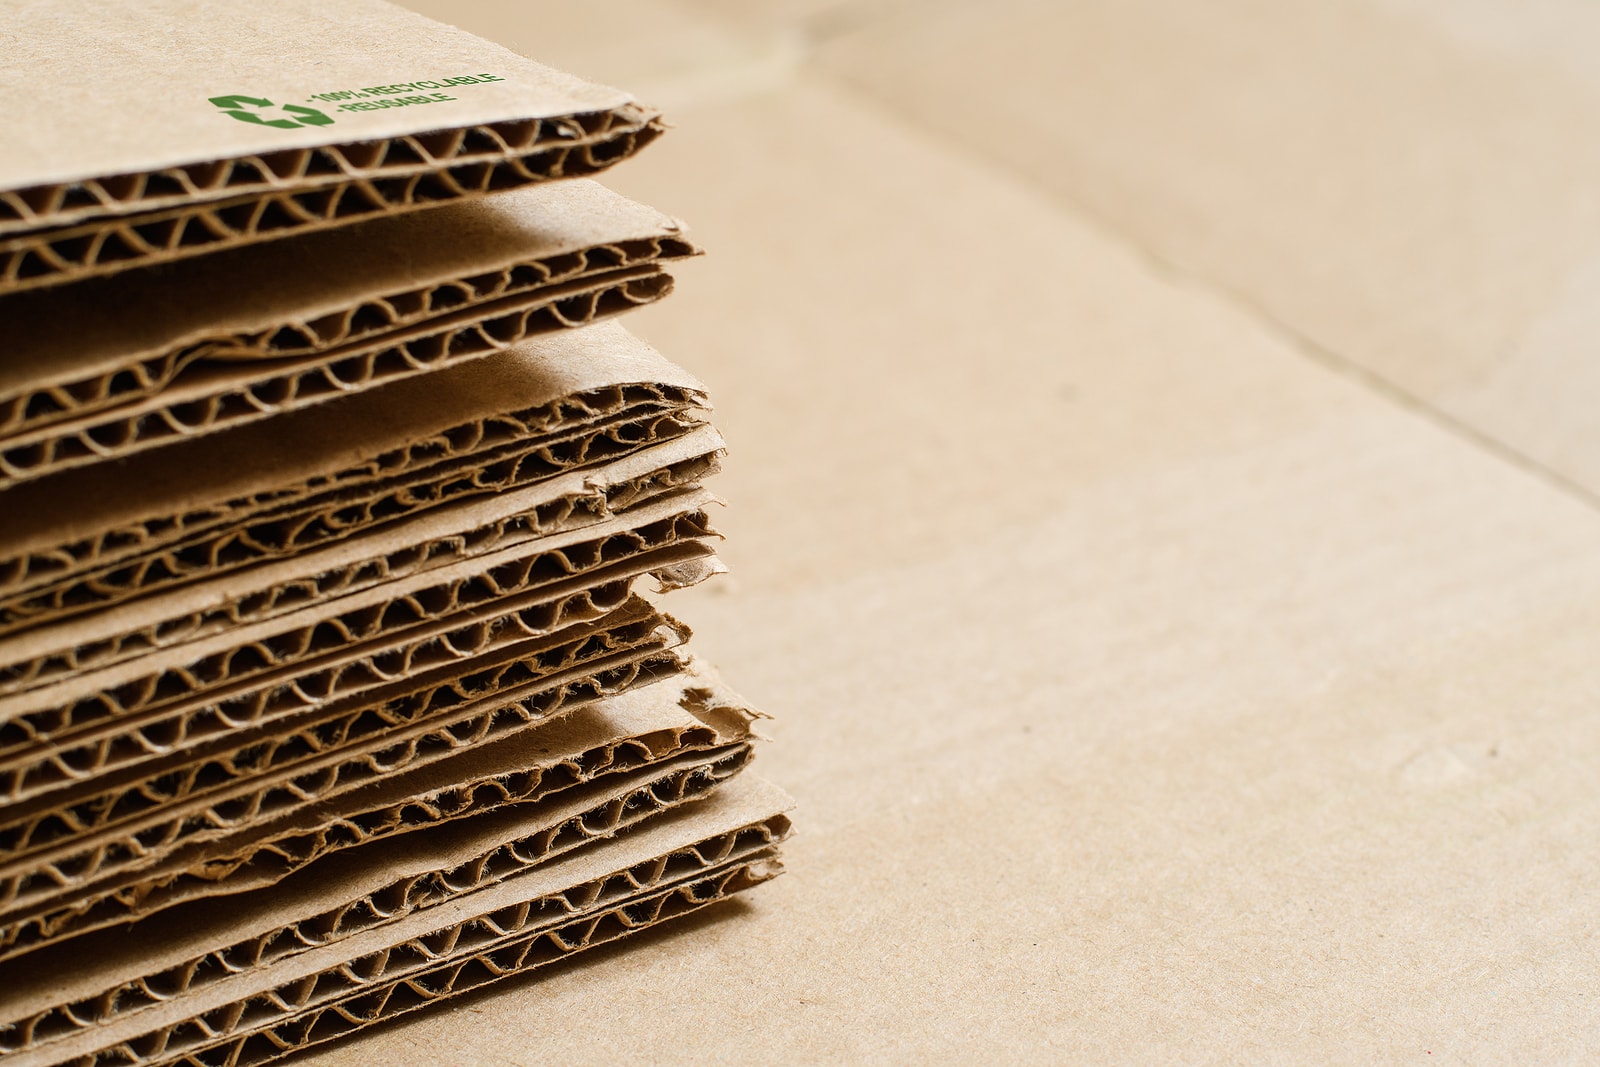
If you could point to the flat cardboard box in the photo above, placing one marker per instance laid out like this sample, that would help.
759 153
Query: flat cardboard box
1252 715
272 121
233 339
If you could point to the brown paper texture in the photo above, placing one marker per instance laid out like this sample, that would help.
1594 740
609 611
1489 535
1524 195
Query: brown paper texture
268 330
1452 251
271 121
1269 701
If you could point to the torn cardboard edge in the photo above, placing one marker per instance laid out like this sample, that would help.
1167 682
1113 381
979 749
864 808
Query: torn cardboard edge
128 821
695 853
578 769
549 587
319 294
433 539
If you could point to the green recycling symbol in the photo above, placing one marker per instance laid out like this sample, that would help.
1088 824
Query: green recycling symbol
303 116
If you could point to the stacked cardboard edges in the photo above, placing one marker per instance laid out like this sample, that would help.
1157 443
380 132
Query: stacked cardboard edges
327 688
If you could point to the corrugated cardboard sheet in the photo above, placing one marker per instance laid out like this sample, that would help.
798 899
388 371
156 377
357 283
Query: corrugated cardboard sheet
1155 688
326 690
593 896
228 340
584 777
269 121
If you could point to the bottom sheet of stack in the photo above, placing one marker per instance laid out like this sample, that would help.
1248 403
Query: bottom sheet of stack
290 748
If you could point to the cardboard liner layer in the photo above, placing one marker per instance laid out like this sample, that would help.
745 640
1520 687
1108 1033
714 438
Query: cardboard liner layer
145 384
685 858
293 299
486 959
140 819
327 123
121 899
196 656
118 434
336 656
599 771
166 647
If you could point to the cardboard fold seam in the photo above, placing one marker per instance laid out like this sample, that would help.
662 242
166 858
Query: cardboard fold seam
53 256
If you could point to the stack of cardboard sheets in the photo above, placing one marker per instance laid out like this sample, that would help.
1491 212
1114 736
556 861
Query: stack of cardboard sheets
327 688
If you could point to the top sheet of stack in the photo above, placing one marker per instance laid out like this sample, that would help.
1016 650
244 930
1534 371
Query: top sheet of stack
267 121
